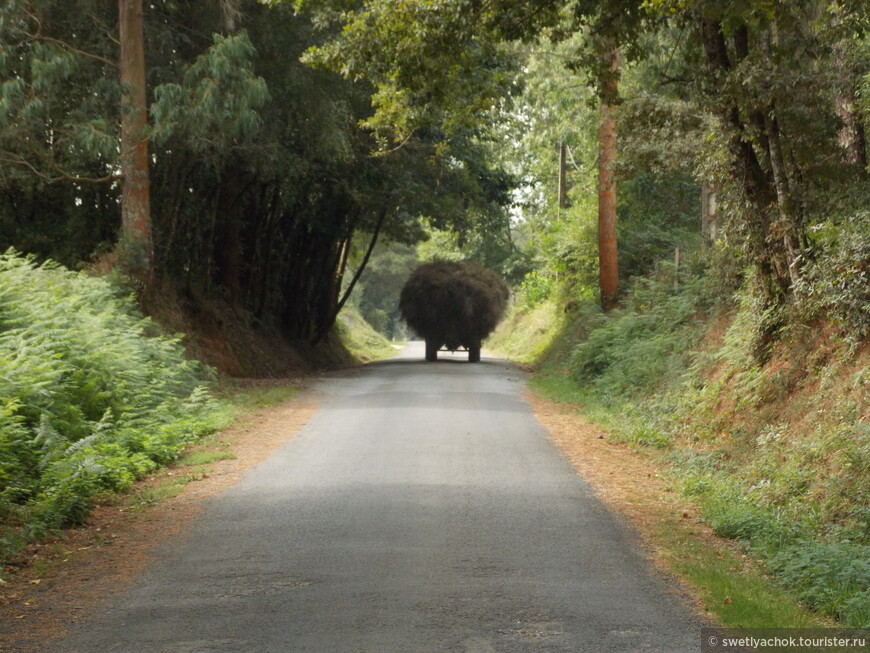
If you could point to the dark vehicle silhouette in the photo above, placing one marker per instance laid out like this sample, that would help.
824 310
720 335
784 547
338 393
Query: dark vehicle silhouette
453 305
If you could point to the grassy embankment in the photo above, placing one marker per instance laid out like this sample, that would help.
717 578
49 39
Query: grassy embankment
775 456
360 339
93 397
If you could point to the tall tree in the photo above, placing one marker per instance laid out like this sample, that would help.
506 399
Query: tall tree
135 186
608 256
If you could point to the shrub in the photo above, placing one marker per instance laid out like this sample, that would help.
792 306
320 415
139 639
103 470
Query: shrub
833 577
837 281
92 396
536 287
635 348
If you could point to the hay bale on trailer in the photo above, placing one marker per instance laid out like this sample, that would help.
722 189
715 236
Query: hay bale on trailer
453 305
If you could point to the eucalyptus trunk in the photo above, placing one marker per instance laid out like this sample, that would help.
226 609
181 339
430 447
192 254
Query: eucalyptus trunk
608 263
135 189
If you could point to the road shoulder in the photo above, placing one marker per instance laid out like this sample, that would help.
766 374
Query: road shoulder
631 485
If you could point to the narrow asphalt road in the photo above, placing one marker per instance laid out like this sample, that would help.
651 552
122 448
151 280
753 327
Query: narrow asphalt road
422 509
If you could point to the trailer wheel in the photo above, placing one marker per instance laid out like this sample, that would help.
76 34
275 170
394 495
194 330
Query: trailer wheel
431 351
474 353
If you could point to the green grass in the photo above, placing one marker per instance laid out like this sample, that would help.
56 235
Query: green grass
360 339
557 387
193 463
739 593
151 496
735 588
203 458
246 398
803 561
525 336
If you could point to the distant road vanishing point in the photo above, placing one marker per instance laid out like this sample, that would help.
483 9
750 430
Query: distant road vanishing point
422 509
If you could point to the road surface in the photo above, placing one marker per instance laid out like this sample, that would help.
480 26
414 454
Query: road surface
422 509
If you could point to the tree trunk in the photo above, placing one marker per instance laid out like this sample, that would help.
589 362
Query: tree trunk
852 137
563 182
746 167
324 328
228 255
709 217
788 222
135 189
608 264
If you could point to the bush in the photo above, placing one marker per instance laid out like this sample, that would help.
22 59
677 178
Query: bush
635 348
536 287
91 396
832 577
837 281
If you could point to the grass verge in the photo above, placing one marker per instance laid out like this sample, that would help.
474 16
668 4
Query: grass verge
769 440
193 463
732 586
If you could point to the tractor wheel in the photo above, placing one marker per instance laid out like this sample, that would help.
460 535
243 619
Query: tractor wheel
431 351
474 353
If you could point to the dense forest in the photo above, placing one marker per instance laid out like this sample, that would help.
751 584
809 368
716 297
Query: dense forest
259 171
676 192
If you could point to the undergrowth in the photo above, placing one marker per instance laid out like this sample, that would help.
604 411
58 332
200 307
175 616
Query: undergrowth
92 397
776 456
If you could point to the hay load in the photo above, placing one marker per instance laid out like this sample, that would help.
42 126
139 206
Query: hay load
453 305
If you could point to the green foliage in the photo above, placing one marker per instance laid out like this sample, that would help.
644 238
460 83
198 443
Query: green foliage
377 294
537 286
656 215
837 281
832 577
53 100
831 574
786 474
432 64
93 396
261 171
218 101
361 340
641 346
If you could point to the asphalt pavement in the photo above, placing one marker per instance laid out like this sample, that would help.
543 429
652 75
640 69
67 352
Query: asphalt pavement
422 509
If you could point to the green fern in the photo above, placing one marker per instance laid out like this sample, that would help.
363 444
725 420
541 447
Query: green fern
93 396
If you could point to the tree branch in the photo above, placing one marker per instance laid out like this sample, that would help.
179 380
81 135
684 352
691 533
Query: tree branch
62 175
68 47
39 36
380 153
